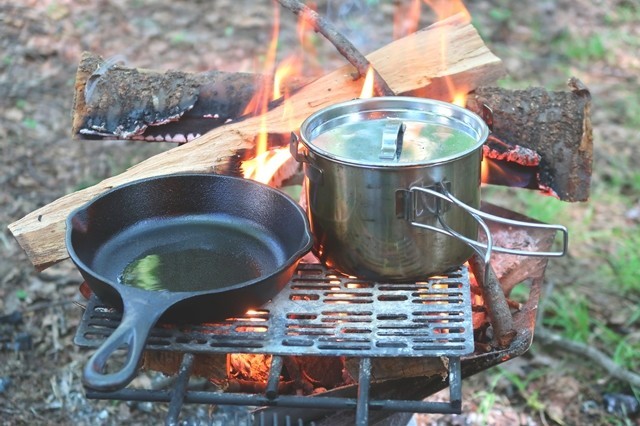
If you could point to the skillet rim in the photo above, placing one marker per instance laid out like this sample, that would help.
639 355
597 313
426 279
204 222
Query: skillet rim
291 260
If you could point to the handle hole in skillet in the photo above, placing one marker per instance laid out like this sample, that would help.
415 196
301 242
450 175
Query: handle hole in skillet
117 360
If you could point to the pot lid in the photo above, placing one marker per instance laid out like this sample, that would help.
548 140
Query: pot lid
393 132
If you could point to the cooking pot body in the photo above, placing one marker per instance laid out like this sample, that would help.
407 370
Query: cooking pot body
361 216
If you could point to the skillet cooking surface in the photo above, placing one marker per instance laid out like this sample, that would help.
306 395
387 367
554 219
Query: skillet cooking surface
189 253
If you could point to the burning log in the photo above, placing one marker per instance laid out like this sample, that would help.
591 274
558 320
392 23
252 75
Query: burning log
545 144
541 140
409 64
114 101
555 125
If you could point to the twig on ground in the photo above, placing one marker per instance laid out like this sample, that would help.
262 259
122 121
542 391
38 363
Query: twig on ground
344 46
595 355
603 360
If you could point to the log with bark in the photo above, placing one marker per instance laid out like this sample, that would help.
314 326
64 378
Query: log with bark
113 101
541 139
412 63
555 125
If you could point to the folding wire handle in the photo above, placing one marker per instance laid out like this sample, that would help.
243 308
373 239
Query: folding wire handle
442 193
483 250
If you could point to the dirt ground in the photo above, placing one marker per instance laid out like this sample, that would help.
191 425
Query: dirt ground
40 45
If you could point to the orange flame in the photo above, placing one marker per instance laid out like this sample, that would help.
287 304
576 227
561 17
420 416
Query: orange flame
456 93
288 67
266 163
484 171
263 167
260 101
367 86
446 8
405 18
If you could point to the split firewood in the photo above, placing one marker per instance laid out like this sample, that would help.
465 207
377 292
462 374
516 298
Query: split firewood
411 63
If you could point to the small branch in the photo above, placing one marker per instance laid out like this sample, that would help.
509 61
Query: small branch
549 338
344 46
495 301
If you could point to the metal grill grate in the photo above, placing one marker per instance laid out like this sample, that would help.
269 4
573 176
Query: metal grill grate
319 312
322 313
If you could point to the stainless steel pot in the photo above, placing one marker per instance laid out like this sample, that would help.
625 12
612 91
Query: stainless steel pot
393 187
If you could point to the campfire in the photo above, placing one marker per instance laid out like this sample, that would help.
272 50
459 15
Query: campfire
331 341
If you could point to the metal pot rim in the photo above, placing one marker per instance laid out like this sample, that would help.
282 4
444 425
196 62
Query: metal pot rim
470 122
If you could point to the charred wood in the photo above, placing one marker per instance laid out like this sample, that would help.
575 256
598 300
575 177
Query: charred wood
554 124
118 102
249 386
389 368
208 366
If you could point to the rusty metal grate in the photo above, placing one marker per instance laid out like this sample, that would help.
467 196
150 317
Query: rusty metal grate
322 313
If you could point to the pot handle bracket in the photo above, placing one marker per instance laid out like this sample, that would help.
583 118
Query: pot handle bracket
433 205
440 193
313 173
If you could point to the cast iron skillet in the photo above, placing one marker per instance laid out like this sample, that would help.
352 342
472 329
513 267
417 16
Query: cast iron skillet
223 245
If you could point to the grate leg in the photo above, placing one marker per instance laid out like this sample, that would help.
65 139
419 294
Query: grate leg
274 376
364 383
179 390
455 384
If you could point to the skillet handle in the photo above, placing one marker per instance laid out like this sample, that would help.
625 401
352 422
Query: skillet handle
137 322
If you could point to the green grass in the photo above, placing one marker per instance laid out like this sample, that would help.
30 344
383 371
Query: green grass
624 12
522 384
624 263
581 49
487 398
623 349
625 109
570 315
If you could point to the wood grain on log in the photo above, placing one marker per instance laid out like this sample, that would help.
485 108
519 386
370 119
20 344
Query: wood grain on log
408 64
556 125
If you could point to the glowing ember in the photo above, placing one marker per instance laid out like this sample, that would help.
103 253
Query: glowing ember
484 171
